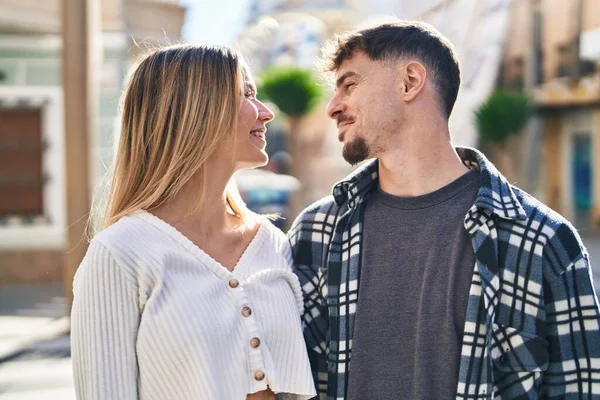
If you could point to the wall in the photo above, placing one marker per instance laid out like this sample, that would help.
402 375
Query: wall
30 60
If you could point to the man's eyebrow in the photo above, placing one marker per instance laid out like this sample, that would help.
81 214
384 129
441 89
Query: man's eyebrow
342 78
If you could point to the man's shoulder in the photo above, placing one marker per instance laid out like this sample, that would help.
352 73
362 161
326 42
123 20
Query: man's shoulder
559 236
316 223
539 211
320 211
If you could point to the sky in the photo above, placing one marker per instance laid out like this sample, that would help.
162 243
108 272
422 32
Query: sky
214 21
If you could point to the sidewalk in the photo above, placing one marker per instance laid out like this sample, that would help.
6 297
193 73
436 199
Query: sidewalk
35 348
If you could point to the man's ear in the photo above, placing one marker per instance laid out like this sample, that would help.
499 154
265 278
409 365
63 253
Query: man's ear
413 75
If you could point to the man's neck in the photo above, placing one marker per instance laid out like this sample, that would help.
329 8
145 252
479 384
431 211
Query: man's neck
420 166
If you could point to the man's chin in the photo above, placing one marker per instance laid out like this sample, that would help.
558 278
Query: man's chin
353 159
355 152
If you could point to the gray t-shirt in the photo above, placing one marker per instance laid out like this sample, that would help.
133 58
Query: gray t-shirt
416 271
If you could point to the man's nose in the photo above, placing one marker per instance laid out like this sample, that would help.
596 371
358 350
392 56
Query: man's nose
335 107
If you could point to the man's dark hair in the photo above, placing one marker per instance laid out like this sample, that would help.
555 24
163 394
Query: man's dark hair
405 39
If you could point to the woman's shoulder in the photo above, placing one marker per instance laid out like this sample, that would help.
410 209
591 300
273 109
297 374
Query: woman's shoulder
275 239
273 232
128 230
109 255
131 245
132 237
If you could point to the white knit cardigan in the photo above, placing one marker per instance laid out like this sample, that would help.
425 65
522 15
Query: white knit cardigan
155 317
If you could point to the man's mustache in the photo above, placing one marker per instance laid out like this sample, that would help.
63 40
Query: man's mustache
344 118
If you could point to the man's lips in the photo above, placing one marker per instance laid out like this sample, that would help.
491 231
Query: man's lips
341 129
342 123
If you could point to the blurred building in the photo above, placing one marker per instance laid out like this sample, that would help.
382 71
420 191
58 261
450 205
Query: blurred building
32 147
291 32
553 51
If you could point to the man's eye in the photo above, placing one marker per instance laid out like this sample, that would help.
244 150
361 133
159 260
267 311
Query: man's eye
347 86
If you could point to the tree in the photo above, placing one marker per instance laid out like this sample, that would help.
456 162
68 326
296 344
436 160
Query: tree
502 115
296 92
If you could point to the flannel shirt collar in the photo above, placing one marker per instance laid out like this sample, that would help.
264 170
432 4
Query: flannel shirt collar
495 193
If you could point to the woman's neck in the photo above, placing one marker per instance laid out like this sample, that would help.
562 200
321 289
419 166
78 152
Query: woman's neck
208 214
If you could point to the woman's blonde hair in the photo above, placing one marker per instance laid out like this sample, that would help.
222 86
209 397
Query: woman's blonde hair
181 102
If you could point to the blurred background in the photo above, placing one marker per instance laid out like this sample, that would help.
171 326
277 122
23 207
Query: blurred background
530 99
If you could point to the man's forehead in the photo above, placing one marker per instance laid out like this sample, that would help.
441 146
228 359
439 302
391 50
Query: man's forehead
347 65
362 65
358 63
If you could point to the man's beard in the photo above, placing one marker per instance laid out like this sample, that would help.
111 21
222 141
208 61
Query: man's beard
356 151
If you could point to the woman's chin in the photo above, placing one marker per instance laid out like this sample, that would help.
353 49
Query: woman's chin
255 163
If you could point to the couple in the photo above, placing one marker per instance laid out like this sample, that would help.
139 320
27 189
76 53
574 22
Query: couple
469 287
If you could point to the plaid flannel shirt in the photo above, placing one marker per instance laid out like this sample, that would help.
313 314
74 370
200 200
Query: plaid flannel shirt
532 323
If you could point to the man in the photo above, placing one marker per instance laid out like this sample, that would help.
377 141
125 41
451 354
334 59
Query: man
426 275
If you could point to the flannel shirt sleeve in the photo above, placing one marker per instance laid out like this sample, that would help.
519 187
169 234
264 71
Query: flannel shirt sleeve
307 266
572 320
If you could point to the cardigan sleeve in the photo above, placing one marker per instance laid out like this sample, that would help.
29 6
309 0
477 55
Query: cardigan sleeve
104 324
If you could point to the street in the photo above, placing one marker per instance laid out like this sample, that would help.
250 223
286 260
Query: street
35 350
38 377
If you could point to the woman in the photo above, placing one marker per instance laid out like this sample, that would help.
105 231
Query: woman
185 293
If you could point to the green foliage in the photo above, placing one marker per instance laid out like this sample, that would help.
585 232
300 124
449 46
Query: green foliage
294 91
502 114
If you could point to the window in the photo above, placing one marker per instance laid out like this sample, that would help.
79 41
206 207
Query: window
514 71
21 174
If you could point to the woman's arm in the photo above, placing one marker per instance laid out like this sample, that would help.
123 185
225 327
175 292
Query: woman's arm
104 325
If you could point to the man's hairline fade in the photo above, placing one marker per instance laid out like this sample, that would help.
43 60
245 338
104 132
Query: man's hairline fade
336 51
328 69
327 72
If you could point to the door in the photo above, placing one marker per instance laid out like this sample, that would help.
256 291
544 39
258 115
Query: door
582 180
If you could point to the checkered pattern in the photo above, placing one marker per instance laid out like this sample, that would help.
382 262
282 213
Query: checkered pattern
532 317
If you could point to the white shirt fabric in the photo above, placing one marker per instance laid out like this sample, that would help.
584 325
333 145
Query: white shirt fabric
155 317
